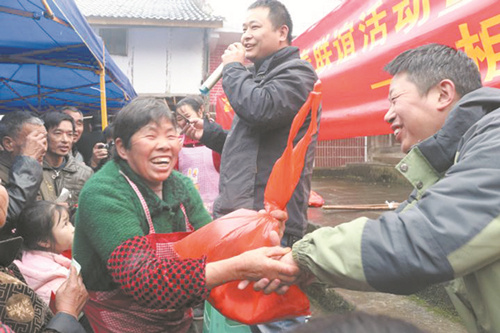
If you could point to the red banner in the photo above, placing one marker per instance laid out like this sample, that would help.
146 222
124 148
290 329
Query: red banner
224 113
350 46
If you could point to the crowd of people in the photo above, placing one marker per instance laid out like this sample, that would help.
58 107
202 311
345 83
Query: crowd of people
85 219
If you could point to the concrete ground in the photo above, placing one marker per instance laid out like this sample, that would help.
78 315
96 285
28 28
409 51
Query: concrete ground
407 308
415 309
404 308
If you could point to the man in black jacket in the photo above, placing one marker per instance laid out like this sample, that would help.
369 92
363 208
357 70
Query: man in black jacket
265 98
24 141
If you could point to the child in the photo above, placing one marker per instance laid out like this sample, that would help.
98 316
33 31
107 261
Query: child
47 232
195 160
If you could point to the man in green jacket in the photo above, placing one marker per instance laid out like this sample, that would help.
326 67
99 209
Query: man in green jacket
448 229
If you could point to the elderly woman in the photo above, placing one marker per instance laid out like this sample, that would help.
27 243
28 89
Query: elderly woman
133 286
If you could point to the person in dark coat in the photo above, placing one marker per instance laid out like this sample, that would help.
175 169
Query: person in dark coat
24 142
265 98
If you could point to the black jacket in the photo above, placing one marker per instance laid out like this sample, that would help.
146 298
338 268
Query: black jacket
265 100
22 178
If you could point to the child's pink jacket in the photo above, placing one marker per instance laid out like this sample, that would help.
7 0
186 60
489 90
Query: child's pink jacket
44 271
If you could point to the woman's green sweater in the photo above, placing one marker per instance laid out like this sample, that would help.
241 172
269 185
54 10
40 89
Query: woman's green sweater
109 213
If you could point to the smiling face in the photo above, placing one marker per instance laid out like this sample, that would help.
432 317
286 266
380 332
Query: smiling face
60 139
260 38
413 117
153 152
63 232
78 117
186 111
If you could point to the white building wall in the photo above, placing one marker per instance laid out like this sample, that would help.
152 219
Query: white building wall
124 64
148 59
163 61
186 63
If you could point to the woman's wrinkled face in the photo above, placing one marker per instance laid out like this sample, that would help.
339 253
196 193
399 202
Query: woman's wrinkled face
153 151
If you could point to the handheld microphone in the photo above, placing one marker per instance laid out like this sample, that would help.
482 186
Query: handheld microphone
211 80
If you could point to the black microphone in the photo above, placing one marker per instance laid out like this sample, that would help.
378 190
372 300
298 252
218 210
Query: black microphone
211 80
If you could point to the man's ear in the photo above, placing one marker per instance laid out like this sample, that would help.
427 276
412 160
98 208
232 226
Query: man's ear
120 148
8 144
448 95
283 30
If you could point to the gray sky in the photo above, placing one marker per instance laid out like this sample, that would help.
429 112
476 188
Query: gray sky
304 12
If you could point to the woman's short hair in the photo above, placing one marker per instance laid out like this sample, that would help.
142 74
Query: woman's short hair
137 114
194 102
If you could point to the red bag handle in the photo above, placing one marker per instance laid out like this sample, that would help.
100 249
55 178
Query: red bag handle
287 169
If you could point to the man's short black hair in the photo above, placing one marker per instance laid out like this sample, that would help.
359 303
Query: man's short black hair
54 118
278 14
71 108
429 64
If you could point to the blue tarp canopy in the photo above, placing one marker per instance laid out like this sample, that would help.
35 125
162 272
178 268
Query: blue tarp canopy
50 57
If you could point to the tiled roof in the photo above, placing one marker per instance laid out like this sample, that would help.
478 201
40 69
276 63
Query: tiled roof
171 10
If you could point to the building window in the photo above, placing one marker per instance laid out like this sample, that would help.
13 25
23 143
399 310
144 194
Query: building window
115 40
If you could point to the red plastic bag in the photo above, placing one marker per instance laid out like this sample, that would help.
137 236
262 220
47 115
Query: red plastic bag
229 236
315 200
244 230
